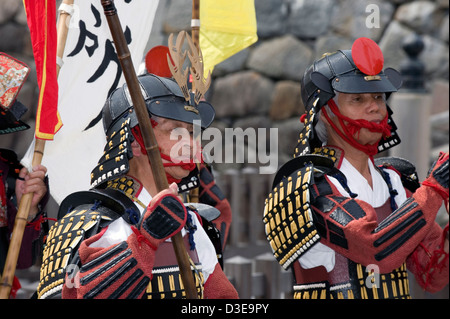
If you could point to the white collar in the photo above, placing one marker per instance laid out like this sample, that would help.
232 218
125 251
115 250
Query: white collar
375 195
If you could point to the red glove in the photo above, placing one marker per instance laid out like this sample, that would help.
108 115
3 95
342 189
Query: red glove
165 216
438 176
124 270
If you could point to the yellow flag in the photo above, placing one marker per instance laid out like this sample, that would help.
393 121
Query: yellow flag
227 27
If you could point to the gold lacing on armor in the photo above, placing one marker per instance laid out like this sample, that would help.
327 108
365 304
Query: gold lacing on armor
394 285
114 153
305 134
167 283
332 153
288 218
128 186
62 239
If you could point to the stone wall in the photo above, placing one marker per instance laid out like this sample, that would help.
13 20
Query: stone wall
260 86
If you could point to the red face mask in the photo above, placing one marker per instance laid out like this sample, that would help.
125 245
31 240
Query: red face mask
190 165
352 127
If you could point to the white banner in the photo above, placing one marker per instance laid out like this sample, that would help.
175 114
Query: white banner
90 72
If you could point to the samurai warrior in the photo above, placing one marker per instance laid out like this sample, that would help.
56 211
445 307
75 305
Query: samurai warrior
350 225
113 241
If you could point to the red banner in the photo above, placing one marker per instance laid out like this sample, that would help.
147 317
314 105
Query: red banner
41 18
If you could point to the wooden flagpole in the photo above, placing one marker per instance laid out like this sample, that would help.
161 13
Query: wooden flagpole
25 202
195 23
195 35
148 136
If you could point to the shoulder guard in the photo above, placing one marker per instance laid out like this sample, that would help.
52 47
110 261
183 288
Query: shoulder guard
81 215
287 213
115 203
206 211
292 166
406 170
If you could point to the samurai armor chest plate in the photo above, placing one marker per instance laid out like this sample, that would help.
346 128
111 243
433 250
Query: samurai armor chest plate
351 280
166 282
363 283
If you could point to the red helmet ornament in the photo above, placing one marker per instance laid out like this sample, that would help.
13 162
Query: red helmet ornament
156 61
367 56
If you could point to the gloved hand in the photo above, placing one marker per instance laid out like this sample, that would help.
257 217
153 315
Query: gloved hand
438 175
165 216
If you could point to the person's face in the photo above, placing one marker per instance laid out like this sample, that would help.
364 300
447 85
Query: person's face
367 106
176 139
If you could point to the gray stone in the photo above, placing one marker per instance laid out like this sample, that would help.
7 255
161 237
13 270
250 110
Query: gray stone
21 16
8 9
418 15
271 17
255 122
309 18
286 101
436 57
444 29
362 18
288 131
435 54
285 57
443 4
397 2
178 16
234 63
241 94
391 44
331 43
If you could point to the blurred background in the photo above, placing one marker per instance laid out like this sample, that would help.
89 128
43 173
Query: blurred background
259 87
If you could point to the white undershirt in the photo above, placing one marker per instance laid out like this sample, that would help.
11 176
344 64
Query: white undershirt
119 230
321 255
